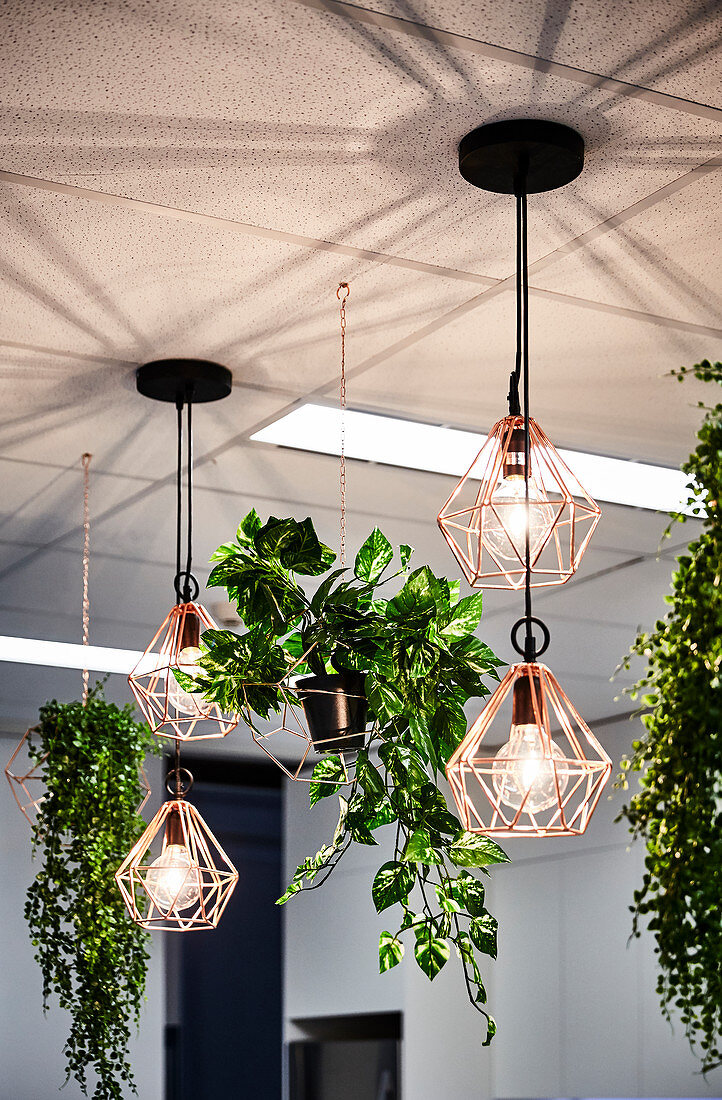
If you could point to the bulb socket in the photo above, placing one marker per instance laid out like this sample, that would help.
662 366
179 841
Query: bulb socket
513 464
522 707
174 828
190 634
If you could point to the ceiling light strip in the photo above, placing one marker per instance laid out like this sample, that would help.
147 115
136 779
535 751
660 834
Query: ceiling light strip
433 448
36 651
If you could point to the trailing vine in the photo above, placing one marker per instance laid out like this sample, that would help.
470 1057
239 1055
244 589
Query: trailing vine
678 808
91 956
421 662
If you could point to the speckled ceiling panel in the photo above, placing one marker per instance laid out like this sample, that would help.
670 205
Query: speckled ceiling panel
308 122
599 382
94 280
668 262
662 44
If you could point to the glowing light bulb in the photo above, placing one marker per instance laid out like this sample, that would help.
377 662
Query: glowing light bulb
174 879
505 522
184 702
524 770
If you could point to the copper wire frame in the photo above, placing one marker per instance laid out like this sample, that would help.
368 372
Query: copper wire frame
29 802
571 514
26 797
215 874
580 773
294 730
152 678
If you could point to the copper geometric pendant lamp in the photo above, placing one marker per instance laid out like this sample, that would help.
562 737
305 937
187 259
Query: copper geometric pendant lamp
547 778
485 518
24 773
177 878
171 708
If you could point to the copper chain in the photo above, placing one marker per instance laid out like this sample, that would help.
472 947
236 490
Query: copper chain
342 294
85 459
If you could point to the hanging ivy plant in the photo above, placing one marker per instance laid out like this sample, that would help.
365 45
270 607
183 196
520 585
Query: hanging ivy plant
91 956
419 661
678 809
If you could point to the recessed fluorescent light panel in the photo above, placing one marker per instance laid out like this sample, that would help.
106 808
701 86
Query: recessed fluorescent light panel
35 651
415 446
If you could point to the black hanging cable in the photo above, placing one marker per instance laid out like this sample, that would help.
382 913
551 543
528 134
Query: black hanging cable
185 584
179 500
513 397
530 652
529 644
189 506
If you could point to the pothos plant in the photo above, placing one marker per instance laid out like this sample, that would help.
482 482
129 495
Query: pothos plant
420 662
678 807
91 956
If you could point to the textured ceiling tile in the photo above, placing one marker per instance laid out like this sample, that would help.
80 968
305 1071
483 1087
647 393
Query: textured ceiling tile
660 44
308 122
599 382
98 280
56 418
668 262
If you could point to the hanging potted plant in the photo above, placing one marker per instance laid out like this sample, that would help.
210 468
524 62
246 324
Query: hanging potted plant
677 808
405 663
91 957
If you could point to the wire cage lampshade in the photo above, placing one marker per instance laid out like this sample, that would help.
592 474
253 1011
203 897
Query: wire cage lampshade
320 716
292 745
24 773
485 519
170 709
177 878
546 780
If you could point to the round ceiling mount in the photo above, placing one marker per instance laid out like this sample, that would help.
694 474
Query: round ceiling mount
532 152
184 380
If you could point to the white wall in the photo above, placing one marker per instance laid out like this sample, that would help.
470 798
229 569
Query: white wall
331 935
575 1004
571 992
31 1044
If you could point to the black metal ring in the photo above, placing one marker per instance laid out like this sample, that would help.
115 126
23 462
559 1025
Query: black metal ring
178 786
545 634
182 584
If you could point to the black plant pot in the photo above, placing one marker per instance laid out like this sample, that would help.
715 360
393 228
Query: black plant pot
335 706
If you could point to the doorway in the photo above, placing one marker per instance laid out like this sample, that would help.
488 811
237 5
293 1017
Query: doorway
224 1010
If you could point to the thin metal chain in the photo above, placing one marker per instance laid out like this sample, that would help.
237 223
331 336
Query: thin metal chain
342 294
85 459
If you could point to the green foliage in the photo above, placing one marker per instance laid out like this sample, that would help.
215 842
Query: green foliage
91 955
422 662
678 808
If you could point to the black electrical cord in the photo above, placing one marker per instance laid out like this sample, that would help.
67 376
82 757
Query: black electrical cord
185 584
178 501
529 644
529 650
513 397
189 507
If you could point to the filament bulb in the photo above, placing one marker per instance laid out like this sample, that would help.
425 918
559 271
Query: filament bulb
525 770
507 516
174 879
185 703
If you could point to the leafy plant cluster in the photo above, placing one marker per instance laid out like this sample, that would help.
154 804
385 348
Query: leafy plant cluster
422 662
91 956
678 808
